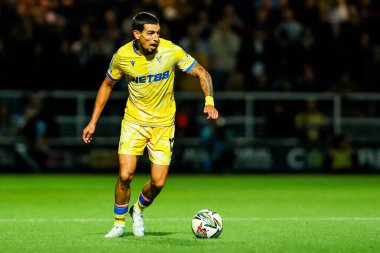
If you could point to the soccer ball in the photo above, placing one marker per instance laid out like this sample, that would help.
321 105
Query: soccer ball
207 224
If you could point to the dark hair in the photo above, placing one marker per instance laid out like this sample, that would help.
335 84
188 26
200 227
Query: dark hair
143 18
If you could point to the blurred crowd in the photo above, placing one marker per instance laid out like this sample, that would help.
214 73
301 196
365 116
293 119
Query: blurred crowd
254 45
247 45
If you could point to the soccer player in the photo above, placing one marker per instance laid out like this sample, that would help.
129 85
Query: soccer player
148 63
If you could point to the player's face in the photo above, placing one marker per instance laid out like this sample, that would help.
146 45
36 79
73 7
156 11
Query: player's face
149 38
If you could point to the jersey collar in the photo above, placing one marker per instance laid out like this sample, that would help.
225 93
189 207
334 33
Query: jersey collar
134 48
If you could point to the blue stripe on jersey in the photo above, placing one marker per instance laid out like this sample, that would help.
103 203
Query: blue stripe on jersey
191 66
120 210
134 48
110 77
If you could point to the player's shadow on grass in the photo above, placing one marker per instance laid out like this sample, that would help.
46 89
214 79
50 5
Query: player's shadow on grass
159 233
152 233
130 234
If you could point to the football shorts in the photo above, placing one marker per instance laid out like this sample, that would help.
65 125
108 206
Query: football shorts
158 140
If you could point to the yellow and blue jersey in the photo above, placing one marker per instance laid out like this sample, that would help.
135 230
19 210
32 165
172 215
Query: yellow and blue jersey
151 80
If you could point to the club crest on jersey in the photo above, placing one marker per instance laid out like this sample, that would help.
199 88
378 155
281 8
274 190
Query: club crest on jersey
133 63
152 78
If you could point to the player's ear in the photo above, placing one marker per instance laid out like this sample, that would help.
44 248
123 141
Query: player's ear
136 34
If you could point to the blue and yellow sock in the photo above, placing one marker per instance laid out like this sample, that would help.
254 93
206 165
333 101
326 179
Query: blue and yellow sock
142 203
120 212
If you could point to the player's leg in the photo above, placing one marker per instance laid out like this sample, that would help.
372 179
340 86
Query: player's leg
160 152
153 187
149 192
122 189
160 148
133 140
127 168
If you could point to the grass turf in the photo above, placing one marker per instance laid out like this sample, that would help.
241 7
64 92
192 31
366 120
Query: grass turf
71 213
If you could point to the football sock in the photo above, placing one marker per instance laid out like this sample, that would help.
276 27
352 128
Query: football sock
120 212
142 203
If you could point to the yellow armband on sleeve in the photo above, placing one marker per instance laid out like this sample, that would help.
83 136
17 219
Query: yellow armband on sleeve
209 100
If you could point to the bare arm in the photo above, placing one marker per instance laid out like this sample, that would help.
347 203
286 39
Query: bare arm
204 79
206 85
104 93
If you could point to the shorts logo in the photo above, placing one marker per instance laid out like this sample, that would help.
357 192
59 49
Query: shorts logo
171 140
152 78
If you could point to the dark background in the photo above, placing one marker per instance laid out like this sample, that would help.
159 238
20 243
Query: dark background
296 83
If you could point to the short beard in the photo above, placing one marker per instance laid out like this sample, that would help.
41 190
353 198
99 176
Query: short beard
146 52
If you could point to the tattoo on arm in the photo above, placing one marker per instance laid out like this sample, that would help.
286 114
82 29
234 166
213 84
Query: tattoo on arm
111 84
204 78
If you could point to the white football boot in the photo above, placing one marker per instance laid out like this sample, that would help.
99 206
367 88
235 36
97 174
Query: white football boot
138 228
116 231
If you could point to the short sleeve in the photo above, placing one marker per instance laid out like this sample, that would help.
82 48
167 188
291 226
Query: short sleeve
114 73
184 61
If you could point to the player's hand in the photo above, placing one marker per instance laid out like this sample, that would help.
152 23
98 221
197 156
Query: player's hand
88 132
211 112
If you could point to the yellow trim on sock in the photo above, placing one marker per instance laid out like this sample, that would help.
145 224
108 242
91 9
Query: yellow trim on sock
139 207
120 219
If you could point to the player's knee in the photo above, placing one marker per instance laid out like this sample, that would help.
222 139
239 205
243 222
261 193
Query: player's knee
125 177
158 184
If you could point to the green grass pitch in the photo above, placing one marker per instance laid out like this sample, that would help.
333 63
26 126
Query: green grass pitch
261 214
